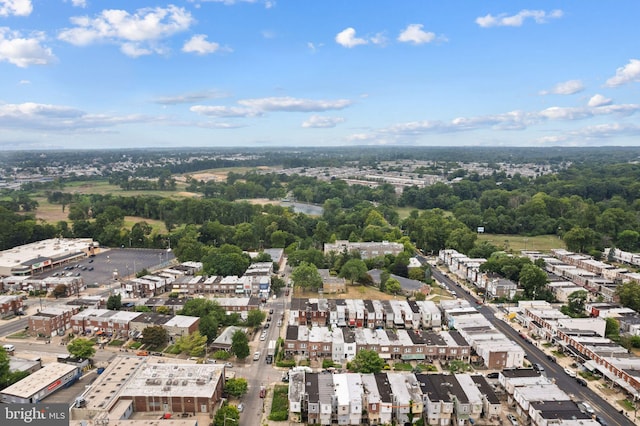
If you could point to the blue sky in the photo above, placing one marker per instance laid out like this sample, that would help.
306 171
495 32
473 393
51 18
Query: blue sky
123 74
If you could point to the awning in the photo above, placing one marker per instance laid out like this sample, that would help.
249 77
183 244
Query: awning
409 357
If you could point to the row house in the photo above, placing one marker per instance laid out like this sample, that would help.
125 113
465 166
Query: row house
622 256
144 320
607 309
559 413
73 284
584 338
173 304
491 404
407 397
101 321
239 305
10 305
142 288
365 313
181 325
437 400
373 395
389 398
85 302
52 321
342 344
498 287
495 349
367 250
582 261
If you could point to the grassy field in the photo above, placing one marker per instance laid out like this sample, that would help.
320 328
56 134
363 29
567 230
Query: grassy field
515 243
353 292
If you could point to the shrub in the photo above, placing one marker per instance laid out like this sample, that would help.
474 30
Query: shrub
286 363
221 354
280 404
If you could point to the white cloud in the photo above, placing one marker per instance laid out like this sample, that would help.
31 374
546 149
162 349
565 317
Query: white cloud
627 74
24 82
15 7
512 120
347 38
598 100
294 104
504 20
79 3
379 39
565 88
416 35
189 98
199 44
223 111
321 122
607 130
134 32
268 4
24 51
134 50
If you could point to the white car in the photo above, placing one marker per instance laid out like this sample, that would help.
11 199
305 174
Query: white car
512 419
241 407
570 372
256 356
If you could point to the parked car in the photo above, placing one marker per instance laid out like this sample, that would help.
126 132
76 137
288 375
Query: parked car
581 381
602 421
493 375
512 419
240 407
570 372
228 365
256 356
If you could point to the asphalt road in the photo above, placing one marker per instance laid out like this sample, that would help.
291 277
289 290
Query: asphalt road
553 370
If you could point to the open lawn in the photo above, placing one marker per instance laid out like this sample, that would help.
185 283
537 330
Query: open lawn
353 292
516 243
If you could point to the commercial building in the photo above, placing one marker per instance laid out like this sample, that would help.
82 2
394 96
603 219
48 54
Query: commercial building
40 384
47 254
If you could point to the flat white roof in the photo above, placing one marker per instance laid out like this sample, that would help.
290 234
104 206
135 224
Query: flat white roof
51 248
38 380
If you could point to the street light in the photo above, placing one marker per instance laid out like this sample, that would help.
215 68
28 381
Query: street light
224 422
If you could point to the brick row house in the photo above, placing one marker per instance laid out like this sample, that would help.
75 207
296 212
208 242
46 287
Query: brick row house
364 313
52 321
390 398
342 344
130 324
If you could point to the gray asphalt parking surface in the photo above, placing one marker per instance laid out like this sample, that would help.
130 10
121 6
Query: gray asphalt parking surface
115 262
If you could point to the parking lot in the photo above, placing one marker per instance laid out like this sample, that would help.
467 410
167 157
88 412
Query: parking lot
120 263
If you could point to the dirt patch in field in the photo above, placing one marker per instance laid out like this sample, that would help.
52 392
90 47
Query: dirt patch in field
353 292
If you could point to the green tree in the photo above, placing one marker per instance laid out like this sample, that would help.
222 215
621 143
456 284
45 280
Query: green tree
576 302
393 286
237 387
155 336
277 284
165 310
353 270
306 275
533 281
114 302
461 239
4 367
629 295
579 239
60 290
225 413
458 366
81 348
612 329
417 274
255 318
193 344
366 361
209 327
240 344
